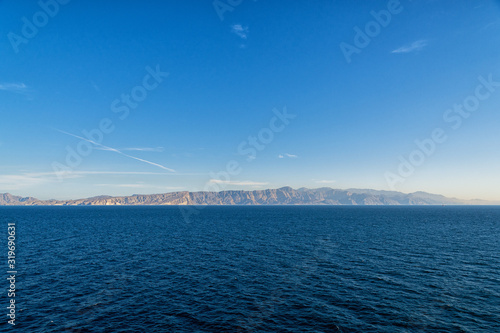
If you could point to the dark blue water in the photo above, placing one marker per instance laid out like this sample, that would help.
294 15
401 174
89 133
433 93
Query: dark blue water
256 269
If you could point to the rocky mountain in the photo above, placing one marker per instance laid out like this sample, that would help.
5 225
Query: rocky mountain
7 199
280 196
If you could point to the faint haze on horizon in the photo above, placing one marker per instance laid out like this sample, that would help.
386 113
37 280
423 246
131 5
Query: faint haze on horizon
105 99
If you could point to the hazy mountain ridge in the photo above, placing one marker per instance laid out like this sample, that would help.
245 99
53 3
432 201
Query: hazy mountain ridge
280 196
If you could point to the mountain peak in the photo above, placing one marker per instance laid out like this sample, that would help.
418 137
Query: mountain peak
286 188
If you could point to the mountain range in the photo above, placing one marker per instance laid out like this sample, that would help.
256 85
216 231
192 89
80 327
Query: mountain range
280 196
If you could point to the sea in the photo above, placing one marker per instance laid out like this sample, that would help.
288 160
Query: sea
253 269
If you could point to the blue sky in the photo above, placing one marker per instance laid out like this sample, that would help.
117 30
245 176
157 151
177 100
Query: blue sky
178 90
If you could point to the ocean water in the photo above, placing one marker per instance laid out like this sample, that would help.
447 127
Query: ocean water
255 269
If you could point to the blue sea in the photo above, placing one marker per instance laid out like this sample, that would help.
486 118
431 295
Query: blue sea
255 269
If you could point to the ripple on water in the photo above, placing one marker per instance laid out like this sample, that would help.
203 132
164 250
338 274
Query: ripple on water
258 269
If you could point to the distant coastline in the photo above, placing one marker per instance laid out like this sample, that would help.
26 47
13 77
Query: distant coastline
280 196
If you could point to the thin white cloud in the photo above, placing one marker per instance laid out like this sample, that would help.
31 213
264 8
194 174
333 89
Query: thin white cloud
240 31
122 185
118 151
415 46
287 155
16 182
31 179
238 183
13 87
79 174
141 186
325 181
490 24
95 86
157 149
84 173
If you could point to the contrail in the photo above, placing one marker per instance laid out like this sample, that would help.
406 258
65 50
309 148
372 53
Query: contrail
116 151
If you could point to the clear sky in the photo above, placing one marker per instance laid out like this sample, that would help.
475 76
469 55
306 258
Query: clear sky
298 93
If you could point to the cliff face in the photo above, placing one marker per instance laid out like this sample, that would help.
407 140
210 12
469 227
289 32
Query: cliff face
9 199
280 196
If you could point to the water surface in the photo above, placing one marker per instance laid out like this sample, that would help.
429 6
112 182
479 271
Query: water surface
257 269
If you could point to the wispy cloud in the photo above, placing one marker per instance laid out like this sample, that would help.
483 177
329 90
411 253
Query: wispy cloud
117 151
238 183
95 86
239 30
157 149
78 174
31 179
141 186
287 155
415 46
122 185
16 182
325 181
490 24
14 87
